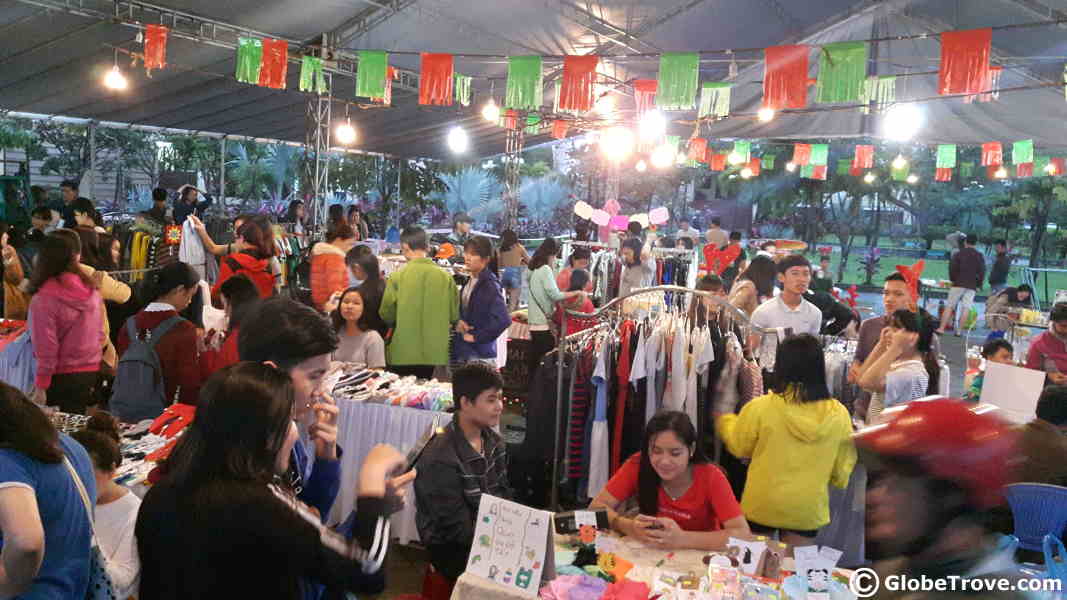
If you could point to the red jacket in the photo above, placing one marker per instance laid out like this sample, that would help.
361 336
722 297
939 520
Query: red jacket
178 355
256 269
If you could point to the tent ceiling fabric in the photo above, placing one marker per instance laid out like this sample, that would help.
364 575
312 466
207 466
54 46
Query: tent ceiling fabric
51 62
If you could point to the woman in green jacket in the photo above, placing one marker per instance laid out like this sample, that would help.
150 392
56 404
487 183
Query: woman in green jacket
544 294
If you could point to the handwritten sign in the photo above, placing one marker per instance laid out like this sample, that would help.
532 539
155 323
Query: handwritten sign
512 545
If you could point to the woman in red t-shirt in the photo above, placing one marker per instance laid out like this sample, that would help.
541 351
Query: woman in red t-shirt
685 502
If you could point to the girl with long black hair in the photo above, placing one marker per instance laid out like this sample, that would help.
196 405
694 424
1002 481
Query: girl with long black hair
903 366
685 502
544 295
755 285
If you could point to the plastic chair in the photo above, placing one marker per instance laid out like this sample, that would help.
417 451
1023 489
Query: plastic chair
1038 509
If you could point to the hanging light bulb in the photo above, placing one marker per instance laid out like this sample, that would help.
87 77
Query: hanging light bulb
641 166
765 114
617 143
1050 169
1001 173
869 177
115 80
735 159
902 121
791 166
746 173
913 179
662 156
900 162
652 125
491 112
345 133
458 140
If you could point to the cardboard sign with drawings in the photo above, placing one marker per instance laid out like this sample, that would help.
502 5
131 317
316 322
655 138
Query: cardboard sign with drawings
512 545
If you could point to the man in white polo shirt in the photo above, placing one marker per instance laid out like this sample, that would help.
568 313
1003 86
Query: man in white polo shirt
789 313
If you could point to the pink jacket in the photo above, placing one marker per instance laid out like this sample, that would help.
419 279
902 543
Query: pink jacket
66 328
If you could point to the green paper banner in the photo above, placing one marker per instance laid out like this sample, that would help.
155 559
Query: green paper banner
462 88
967 169
249 60
1040 164
842 72
1022 152
946 156
768 162
679 74
744 149
900 174
371 72
533 124
673 141
714 99
524 88
312 79
820 155
880 90
807 171
844 165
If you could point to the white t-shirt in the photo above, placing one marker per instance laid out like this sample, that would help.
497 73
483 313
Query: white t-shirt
906 381
115 522
774 314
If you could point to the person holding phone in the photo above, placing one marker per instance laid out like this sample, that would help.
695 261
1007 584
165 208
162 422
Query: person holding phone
684 501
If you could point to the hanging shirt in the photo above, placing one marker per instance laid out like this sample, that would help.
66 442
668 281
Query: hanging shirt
598 443
639 370
679 349
702 356
623 372
653 355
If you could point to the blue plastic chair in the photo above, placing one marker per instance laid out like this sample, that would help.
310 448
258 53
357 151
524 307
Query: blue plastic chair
1038 509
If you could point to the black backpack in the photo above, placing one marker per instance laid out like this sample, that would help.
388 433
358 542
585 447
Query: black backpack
138 392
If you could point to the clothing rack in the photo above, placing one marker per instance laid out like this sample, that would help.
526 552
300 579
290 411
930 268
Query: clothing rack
694 261
613 310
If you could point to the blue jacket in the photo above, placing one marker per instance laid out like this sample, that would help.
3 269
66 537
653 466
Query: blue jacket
488 314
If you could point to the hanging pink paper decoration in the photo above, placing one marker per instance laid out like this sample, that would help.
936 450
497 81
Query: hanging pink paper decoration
583 210
600 217
619 222
659 216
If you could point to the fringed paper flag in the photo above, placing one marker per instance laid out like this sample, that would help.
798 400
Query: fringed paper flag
275 64
842 72
714 100
946 156
509 119
802 154
645 94
992 154
807 171
785 80
673 141
1022 152
818 172
1024 169
525 83
679 74
855 171
913 277
155 47
371 73
744 150
717 162
992 87
768 161
559 129
387 99
754 165
943 174
249 60
965 61
463 89
966 169
312 78
882 91
844 165
864 157
435 79
533 124
698 147
1059 166
820 154
579 79
1041 165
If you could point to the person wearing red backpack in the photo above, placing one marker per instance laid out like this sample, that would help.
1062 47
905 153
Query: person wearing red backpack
170 290
253 260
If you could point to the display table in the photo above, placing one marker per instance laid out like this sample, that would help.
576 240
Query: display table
360 427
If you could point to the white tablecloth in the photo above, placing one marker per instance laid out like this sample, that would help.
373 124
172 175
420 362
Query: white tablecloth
362 426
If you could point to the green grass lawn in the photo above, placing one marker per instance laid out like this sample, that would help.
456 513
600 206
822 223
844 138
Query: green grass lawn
935 269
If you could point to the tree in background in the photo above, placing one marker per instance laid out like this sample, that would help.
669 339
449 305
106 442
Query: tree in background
373 180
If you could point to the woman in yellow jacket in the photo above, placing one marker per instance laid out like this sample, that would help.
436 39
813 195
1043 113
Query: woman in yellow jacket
799 440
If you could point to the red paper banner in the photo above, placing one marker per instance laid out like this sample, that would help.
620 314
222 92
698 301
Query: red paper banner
965 61
855 171
155 47
755 164
275 64
698 147
718 162
1024 170
864 158
387 100
785 79
559 129
801 154
511 119
992 154
819 172
645 94
576 89
435 79
1060 165
943 174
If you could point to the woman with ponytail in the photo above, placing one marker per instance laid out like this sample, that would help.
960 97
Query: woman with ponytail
169 292
66 324
903 366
